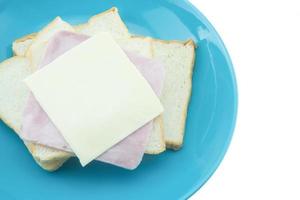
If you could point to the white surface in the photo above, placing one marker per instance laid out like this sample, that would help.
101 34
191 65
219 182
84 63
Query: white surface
81 90
263 39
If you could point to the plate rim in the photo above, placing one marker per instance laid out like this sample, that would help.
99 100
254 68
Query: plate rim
200 183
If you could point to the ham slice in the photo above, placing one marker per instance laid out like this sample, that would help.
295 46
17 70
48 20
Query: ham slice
38 128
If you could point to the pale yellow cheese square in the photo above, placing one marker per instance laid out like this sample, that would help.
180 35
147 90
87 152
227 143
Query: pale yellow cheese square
95 96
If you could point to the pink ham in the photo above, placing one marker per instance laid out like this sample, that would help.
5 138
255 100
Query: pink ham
38 128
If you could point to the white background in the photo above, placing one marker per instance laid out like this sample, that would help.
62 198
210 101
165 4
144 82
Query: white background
263 39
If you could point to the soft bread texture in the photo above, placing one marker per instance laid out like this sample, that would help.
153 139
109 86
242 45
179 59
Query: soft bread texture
20 46
13 93
107 21
13 96
141 46
156 143
178 58
49 158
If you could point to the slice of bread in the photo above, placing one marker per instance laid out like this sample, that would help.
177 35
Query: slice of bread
178 58
49 158
13 96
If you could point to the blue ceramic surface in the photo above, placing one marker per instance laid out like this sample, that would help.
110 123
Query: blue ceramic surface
172 175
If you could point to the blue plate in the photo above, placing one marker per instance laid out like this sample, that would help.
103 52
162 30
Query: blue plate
172 175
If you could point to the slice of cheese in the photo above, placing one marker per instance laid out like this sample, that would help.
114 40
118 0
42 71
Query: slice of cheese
95 96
